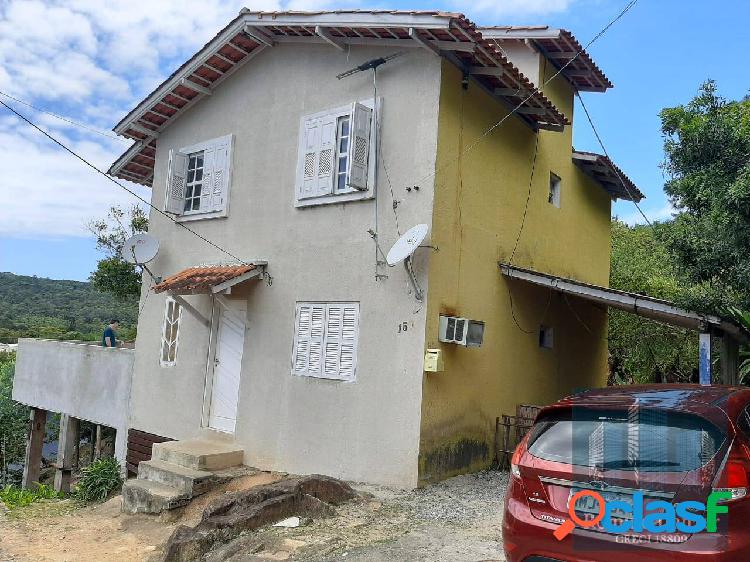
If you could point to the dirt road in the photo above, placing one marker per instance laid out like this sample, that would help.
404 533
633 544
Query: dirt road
455 521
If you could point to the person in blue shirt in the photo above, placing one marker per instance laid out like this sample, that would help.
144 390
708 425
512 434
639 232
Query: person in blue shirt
109 339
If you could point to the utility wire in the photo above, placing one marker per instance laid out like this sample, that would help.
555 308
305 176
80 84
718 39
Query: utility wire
133 193
479 139
604 149
76 123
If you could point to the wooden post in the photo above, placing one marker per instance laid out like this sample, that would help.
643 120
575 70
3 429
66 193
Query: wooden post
98 443
704 358
730 360
67 452
34 442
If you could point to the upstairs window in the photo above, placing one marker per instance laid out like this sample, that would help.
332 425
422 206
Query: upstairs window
325 340
170 333
198 179
336 155
554 190
194 183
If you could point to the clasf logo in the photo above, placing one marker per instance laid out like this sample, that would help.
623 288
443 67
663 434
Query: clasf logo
656 516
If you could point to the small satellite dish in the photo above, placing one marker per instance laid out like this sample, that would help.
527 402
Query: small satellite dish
405 246
140 249
402 251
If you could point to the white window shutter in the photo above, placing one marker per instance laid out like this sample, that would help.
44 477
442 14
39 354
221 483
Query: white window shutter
302 339
334 323
219 187
209 155
326 155
174 199
349 340
317 331
308 342
308 165
359 146
342 331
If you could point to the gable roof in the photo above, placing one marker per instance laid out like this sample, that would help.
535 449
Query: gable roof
560 47
446 34
608 174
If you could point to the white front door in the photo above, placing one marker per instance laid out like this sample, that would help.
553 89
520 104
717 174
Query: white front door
230 339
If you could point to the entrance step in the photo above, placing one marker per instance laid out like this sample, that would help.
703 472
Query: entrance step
199 454
146 496
180 470
187 480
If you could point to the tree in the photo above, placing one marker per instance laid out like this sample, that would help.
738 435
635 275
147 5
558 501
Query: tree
641 350
114 275
14 419
707 147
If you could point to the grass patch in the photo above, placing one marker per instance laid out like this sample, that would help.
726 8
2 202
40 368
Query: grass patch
14 497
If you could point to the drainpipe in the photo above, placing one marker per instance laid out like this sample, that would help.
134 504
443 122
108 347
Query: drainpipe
704 356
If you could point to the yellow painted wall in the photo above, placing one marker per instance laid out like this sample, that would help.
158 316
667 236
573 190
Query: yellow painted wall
479 204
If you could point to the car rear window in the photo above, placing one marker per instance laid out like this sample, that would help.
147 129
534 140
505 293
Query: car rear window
647 440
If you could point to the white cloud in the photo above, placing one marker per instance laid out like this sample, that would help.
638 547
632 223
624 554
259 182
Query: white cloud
46 191
666 212
92 62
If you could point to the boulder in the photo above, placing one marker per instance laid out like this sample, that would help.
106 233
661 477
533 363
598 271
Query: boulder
246 510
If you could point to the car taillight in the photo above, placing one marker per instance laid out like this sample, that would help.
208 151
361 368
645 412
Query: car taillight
514 470
735 478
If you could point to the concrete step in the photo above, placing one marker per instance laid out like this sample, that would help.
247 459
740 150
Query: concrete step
199 454
187 480
146 496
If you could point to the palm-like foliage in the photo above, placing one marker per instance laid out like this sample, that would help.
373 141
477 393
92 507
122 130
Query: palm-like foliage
742 317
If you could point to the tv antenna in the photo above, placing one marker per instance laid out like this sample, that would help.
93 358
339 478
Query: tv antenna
140 249
403 250
370 64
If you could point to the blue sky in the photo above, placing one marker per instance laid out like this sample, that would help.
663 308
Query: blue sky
92 61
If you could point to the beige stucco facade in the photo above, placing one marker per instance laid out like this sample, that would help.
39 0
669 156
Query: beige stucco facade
362 430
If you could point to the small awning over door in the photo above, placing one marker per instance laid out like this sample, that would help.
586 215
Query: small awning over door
207 280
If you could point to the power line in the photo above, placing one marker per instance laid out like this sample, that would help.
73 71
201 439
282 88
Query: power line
604 149
117 183
624 11
67 120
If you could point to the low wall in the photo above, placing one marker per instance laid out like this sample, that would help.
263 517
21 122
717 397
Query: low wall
81 379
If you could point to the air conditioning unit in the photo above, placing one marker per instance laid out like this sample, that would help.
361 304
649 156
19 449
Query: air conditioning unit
461 331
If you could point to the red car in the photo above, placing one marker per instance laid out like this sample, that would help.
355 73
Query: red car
632 444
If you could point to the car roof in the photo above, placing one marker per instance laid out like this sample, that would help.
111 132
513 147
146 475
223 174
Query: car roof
683 397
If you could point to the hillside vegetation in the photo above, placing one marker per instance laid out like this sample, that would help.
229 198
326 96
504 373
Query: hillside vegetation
46 308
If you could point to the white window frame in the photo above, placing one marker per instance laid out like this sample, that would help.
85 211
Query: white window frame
555 187
200 214
167 321
350 194
326 339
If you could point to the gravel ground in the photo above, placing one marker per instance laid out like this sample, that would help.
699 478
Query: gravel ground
458 520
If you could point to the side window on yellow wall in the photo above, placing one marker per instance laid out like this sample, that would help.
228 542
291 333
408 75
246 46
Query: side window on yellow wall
554 190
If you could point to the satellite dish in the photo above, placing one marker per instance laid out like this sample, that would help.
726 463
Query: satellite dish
402 251
140 249
405 246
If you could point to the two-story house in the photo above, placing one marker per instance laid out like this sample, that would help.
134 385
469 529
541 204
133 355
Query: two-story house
277 327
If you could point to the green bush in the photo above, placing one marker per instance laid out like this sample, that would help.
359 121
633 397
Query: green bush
14 497
99 479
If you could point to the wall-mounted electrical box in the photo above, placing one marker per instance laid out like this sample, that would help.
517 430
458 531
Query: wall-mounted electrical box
433 361
461 331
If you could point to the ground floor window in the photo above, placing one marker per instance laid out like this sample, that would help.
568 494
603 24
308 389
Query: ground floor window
325 340
170 332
